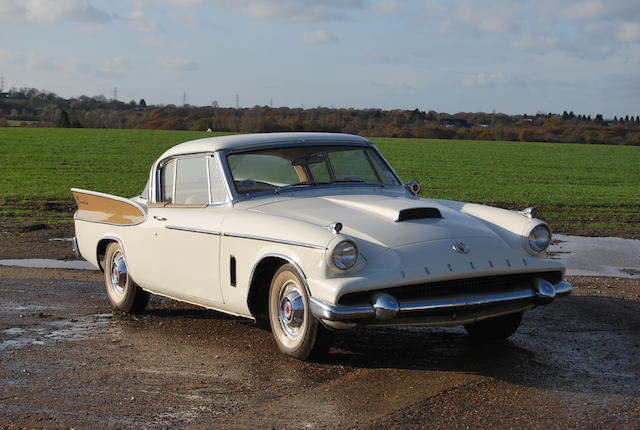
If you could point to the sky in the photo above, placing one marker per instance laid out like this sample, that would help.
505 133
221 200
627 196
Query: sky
511 56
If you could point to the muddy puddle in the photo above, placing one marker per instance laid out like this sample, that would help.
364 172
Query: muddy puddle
47 263
598 256
50 332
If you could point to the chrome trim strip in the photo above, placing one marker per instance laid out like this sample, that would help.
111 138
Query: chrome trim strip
206 166
192 230
326 311
270 239
464 301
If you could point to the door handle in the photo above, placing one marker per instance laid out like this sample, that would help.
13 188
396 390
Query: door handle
159 218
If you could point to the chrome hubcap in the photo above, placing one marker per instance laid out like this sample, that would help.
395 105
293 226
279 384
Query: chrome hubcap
291 309
118 274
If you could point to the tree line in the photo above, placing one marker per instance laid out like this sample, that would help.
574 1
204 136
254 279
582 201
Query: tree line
35 108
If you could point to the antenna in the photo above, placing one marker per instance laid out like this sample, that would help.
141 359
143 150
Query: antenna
1 84
115 93
271 102
237 101
184 98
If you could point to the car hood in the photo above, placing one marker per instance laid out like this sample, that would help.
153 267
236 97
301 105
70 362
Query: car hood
373 218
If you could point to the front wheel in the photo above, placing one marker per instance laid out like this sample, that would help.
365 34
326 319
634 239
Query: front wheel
495 328
296 331
123 293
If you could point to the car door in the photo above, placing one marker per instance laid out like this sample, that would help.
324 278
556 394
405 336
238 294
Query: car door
183 229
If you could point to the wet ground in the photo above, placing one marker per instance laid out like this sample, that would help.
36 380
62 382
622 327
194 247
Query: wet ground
67 362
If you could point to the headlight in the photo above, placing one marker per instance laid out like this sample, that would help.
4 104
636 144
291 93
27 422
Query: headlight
539 238
344 255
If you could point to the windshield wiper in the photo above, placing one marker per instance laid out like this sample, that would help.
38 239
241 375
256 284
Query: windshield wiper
355 181
301 184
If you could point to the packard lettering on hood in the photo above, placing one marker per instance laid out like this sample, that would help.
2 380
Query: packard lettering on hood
314 233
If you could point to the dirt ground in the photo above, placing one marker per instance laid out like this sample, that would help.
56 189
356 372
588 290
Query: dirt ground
66 361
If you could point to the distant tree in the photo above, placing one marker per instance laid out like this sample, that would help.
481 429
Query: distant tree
571 115
599 118
615 119
565 115
626 119
62 119
142 103
637 120
589 118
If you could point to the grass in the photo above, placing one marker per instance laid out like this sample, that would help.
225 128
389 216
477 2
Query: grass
588 189
17 123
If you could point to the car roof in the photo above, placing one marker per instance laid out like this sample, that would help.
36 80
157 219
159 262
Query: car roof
235 141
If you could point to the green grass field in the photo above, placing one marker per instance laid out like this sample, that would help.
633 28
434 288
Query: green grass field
16 123
591 188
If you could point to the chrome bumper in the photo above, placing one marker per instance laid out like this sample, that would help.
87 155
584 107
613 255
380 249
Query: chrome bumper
385 307
74 247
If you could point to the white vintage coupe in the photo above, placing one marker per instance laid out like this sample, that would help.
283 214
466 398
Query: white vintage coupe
314 232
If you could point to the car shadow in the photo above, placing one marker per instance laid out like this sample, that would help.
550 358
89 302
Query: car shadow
582 343
586 344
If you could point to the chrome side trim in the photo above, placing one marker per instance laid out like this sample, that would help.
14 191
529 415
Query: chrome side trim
192 230
271 239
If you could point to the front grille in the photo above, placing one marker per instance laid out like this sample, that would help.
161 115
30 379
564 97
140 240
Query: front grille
485 284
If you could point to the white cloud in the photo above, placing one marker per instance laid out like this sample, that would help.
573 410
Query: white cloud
46 10
115 64
298 10
317 37
184 3
584 10
179 64
487 17
387 7
29 61
141 22
486 80
628 31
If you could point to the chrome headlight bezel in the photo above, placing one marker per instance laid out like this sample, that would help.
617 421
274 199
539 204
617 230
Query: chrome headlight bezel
344 256
538 239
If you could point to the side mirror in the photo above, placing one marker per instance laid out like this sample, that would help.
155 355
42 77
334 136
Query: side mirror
414 187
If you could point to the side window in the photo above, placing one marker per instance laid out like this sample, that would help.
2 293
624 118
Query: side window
191 182
218 190
166 179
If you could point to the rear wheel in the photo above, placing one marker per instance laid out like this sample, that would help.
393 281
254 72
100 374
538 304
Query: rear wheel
296 331
123 293
495 328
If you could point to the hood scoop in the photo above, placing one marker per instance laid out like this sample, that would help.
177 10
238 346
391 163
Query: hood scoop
418 213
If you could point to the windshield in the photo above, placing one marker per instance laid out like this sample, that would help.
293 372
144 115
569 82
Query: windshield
307 166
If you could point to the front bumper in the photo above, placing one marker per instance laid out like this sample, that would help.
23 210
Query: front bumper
451 309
